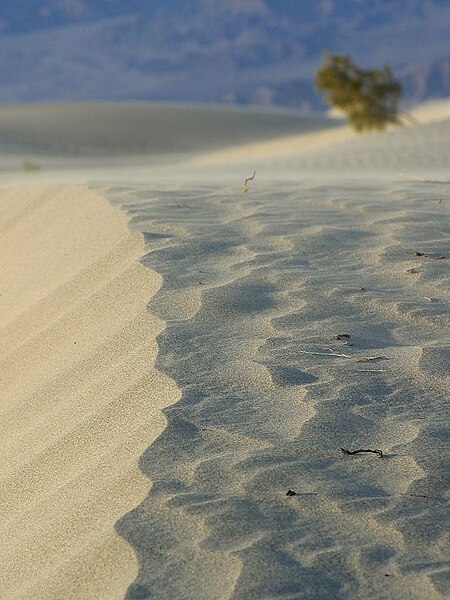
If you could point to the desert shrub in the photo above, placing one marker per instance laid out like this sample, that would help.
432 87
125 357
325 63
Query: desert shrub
369 98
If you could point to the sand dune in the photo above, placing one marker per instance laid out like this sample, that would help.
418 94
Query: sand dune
95 129
256 291
80 399
291 145
270 394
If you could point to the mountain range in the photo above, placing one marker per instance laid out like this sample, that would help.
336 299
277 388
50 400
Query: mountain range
216 51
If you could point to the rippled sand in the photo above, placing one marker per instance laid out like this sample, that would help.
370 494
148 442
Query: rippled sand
338 234
80 399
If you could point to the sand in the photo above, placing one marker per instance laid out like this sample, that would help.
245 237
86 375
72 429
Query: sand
332 137
80 398
253 390
115 129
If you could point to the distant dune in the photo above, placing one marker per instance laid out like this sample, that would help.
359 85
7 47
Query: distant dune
118 129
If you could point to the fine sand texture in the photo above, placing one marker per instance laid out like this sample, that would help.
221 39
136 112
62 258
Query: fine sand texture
297 324
307 315
80 398
346 147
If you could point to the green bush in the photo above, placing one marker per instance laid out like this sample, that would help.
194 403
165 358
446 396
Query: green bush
369 98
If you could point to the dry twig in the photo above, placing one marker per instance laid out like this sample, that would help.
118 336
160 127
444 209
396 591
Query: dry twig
245 186
424 179
345 339
342 355
349 452
423 255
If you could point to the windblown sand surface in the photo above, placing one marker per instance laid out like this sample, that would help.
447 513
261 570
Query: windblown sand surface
305 316
80 398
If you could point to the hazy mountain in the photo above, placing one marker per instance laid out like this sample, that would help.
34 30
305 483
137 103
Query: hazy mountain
244 51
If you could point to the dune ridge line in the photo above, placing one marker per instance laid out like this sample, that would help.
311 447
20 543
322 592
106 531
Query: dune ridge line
80 397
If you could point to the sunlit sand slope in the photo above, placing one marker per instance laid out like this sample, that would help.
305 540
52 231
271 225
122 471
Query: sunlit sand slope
80 399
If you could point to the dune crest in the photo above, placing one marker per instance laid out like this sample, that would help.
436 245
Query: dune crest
302 449
80 398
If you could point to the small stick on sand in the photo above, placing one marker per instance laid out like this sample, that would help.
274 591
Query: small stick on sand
331 353
423 255
349 452
345 339
413 177
369 358
342 355
423 496
424 179
245 186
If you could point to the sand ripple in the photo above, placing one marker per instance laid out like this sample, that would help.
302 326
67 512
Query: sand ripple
270 395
